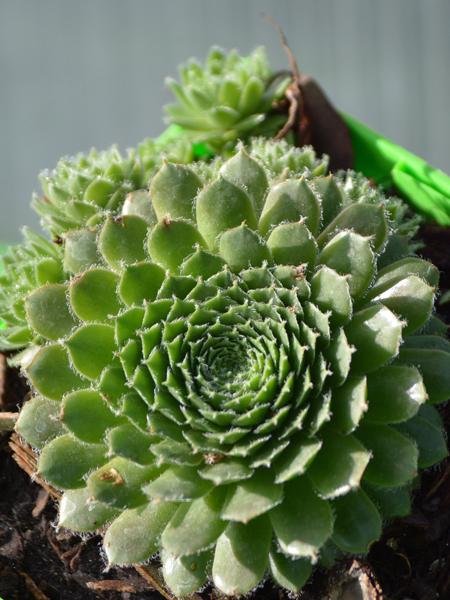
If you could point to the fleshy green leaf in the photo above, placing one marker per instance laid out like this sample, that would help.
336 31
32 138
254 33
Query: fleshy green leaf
296 458
39 421
349 403
411 299
134 536
434 366
128 441
391 502
252 498
368 220
80 250
330 291
65 461
241 556
171 241
139 204
357 523
244 172
350 254
227 471
426 429
349 459
202 264
173 190
77 405
178 484
91 348
376 333
122 240
195 526
48 313
395 394
93 295
331 196
140 282
292 244
79 512
50 372
242 247
394 456
119 483
289 573
186 574
220 207
401 269
303 522
291 200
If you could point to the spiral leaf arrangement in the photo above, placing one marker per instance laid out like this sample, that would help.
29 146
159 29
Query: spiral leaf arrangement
79 187
228 378
226 99
70 186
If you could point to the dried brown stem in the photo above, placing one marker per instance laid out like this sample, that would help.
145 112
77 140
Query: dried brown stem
113 585
8 420
291 58
34 590
26 459
292 96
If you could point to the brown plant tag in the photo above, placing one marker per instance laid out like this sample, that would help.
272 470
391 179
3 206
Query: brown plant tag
328 133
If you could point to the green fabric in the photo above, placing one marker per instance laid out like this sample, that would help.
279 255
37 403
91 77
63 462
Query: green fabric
426 188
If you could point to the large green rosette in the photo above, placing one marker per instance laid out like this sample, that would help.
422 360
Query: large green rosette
235 382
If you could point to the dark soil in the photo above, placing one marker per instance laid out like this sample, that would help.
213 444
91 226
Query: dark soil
411 562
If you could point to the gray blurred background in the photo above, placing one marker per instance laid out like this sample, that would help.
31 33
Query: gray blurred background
77 74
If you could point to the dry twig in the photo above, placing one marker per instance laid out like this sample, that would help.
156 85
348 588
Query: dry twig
26 459
8 420
41 503
34 590
113 585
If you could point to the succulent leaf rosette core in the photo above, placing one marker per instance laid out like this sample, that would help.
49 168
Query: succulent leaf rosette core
230 379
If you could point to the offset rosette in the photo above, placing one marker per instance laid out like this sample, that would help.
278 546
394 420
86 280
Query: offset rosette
27 266
234 384
83 187
281 158
227 98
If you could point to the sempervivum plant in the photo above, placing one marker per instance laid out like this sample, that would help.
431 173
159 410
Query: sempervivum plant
227 98
38 261
27 266
231 381
82 186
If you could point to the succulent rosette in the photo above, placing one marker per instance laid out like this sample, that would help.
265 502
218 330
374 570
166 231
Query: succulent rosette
38 261
81 187
227 98
27 266
229 379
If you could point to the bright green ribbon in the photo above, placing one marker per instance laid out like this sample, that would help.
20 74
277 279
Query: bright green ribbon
423 186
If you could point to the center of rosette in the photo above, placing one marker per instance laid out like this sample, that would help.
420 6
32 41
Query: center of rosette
225 364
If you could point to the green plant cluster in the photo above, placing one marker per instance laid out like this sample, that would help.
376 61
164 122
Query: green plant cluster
227 98
231 362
